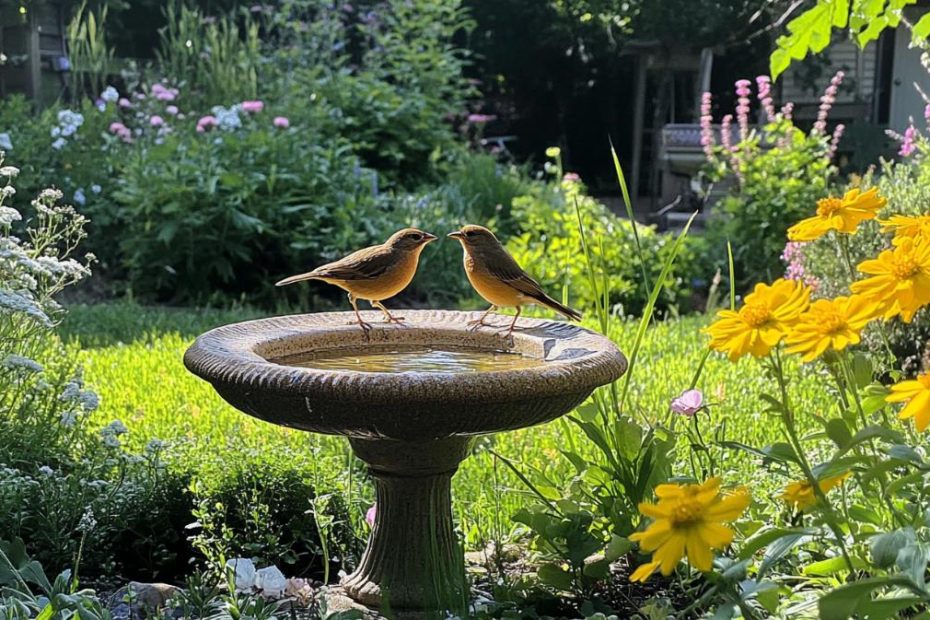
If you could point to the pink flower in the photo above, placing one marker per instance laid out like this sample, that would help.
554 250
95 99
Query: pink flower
253 107
205 123
707 126
835 140
689 403
480 119
764 84
124 103
281 122
116 127
726 135
172 110
164 94
742 108
927 113
119 129
826 103
156 121
907 145
571 177
371 514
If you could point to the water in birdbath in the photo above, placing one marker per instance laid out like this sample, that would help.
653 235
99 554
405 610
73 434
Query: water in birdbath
414 360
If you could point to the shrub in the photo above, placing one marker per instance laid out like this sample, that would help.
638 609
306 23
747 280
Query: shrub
779 172
549 244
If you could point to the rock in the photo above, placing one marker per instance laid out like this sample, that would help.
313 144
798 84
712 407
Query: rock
300 590
245 573
138 600
271 581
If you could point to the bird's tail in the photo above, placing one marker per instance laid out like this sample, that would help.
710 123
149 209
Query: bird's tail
569 313
310 275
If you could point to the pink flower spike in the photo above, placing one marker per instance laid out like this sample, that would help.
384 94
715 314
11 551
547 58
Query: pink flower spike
689 403
281 122
927 113
371 514
253 107
156 121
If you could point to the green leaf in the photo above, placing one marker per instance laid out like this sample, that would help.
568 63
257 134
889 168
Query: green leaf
855 599
921 29
831 566
863 514
838 432
617 547
554 576
768 536
884 548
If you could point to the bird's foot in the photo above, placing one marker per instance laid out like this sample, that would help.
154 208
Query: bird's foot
399 320
473 326
366 329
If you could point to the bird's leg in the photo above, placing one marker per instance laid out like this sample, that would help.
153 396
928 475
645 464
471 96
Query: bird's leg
366 327
473 325
513 324
388 318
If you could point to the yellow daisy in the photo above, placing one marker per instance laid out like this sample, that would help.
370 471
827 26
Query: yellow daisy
841 214
916 393
800 493
900 281
830 324
688 520
907 225
763 320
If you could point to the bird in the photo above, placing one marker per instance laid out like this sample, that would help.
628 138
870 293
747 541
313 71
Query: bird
375 273
497 277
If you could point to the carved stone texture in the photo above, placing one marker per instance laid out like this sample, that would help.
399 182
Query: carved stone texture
411 429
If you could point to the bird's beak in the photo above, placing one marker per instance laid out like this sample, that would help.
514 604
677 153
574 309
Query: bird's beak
456 234
428 238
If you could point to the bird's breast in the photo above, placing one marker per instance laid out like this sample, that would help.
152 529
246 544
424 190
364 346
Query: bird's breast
494 290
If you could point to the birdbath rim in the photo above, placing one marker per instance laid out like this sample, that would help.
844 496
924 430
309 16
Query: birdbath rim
238 360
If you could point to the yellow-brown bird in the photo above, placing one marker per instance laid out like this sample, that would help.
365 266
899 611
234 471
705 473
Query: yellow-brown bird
498 278
374 274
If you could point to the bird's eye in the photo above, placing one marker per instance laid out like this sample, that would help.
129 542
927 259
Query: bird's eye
469 233
416 236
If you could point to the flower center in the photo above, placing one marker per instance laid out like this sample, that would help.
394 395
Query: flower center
904 267
687 512
756 315
828 206
831 322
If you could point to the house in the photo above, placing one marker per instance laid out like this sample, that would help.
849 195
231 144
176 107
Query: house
883 89
33 43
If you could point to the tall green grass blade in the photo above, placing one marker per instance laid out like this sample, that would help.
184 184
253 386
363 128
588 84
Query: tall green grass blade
650 309
621 179
732 275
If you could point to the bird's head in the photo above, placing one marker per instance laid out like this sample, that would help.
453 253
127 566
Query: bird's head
472 237
409 239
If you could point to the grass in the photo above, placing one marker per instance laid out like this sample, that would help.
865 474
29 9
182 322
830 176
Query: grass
132 358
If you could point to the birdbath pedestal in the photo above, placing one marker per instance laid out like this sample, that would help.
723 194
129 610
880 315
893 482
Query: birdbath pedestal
412 426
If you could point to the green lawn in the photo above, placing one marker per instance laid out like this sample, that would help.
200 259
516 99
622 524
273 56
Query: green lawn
132 357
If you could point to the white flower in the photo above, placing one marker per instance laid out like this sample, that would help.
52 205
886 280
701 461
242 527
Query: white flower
8 215
271 581
90 401
96 188
79 196
14 362
115 427
9 171
69 418
7 191
154 445
245 573
110 94
5 142
59 143
48 471
16 302
50 195
68 117
68 130
87 522
55 132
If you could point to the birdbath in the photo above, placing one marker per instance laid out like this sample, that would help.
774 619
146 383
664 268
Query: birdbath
410 399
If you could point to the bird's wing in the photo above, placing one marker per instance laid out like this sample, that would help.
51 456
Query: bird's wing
506 269
364 264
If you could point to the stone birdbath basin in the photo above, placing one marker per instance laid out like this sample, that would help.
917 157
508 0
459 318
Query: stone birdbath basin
410 400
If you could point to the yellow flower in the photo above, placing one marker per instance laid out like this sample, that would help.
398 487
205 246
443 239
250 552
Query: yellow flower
800 493
830 324
900 281
688 520
763 320
553 152
907 225
842 214
917 394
